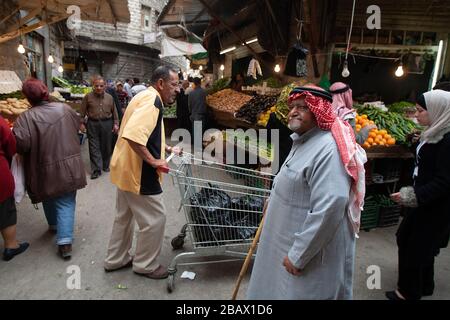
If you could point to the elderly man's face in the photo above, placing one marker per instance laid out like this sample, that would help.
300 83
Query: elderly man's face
99 86
300 118
168 89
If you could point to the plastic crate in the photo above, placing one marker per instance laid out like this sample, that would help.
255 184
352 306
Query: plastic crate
389 216
389 169
370 214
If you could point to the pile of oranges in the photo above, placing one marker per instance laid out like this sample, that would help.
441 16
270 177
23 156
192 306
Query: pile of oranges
376 137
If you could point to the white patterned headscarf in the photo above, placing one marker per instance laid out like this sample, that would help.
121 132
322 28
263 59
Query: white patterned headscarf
438 107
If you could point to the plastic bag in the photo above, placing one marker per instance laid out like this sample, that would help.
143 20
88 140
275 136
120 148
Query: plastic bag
210 211
18 173
250 220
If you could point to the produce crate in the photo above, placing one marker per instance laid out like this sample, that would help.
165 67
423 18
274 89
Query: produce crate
388 169
389 216
370 214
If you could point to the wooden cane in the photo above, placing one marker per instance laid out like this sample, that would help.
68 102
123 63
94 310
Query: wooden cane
249 255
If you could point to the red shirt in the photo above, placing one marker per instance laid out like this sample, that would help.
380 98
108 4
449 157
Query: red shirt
7 150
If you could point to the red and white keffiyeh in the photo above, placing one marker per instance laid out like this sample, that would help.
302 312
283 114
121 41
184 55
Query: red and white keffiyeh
352 155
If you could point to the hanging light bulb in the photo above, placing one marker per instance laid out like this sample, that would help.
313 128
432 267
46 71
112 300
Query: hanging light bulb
345 71
21 49
277 68
399 72
222 67
200 68
50 59
60 69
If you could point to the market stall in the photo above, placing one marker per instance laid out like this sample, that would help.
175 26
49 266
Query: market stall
12 101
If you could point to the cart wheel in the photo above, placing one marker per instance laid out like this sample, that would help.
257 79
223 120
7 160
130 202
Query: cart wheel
170 284
178 242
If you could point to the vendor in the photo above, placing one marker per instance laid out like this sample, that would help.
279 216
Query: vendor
343 108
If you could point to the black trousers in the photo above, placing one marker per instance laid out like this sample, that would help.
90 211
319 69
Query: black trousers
100 143
417 240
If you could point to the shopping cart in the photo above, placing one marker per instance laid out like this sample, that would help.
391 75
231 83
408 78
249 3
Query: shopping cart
223 206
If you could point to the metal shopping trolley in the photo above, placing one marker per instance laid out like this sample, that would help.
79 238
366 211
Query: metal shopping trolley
223 206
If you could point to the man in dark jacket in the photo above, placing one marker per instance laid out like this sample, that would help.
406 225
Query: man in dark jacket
197 108
47 137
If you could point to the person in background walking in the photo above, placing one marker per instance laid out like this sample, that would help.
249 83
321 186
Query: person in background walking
99 114
47 138
343 108
8 213
137 87
123 97
182 107
127 87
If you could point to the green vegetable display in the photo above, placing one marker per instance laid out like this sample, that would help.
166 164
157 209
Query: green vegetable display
63 83
219 85
16 94
170 111
282 103
271 82
398 126
400 107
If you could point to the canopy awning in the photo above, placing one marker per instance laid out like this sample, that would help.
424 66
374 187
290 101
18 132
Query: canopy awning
44 12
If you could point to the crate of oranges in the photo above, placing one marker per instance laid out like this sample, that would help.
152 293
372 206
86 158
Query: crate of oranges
377 137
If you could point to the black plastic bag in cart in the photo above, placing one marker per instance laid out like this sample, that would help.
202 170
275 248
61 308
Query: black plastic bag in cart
209 211
246 215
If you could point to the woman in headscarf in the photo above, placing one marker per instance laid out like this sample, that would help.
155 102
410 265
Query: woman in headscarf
307 244
343 108
47 137
424 228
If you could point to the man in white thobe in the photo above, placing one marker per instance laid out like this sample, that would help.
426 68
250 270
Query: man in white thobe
307 245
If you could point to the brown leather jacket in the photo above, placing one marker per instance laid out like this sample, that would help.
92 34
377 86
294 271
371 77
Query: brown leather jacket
47 137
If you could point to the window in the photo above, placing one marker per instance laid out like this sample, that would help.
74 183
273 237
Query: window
146 13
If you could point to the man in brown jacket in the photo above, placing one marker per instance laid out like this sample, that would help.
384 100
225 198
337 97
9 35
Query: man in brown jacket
47 137
102 120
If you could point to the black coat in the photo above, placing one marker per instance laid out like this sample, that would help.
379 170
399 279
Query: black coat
426 228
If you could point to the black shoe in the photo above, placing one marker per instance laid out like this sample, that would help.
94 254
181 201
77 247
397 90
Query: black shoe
8 254
65 251
106 170
95 175
392 295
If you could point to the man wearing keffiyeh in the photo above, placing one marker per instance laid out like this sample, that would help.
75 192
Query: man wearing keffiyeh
307 245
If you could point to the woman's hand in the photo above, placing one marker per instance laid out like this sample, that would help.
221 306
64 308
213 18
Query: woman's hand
396 197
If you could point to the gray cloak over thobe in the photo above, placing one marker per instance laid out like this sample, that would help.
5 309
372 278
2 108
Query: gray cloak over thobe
306 219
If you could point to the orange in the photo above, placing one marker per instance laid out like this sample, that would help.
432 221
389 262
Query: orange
379 136
372 134
381 143
391 141
366 145
369 140
382 132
